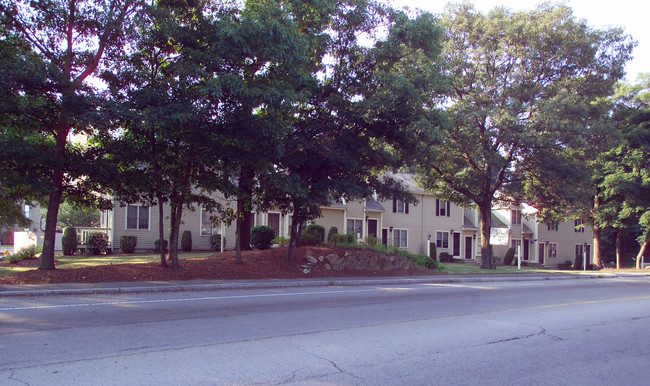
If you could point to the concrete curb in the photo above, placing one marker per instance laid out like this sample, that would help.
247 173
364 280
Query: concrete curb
127 288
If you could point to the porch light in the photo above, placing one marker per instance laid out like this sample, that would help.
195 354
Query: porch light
452 231
429 237
391 228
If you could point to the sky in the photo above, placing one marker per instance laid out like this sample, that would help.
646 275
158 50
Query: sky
632 15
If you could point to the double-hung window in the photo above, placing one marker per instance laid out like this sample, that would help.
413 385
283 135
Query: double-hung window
579 226
400 237
442 239
552 227
137 217
552 250
208 227
443 208
515 217
354 227
400 206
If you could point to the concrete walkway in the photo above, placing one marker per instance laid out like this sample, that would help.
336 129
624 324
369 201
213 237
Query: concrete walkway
209 285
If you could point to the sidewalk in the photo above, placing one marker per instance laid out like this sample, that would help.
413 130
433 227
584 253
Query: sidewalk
209 285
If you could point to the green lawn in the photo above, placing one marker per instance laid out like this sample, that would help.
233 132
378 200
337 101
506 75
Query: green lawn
472 269
118 258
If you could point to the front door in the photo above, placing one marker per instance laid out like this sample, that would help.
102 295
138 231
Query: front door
384 237
455 245
274 222
526 249
541 251
468 247
372 228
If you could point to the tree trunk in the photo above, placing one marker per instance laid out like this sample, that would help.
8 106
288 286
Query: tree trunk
597 259
293 240
643 249
486 252
177 212
245 205
619 247
238 236
47 257
54 201
161 232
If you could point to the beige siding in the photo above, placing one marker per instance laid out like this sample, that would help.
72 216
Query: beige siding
191 220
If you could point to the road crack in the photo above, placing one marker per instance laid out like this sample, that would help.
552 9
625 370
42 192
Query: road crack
542 332
11 376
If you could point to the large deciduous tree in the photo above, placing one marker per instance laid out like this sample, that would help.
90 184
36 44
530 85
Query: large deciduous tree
364 112
522 88
623 174
72 39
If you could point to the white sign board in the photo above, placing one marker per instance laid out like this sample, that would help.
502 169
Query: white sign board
499 236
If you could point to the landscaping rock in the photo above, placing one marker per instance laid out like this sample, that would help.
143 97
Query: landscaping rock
311 259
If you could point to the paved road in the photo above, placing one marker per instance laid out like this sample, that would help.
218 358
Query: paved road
591 331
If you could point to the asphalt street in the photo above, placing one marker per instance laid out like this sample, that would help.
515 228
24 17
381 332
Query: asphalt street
591 331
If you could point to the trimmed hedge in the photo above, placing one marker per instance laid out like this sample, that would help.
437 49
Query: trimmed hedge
332 232
215 242
338 239
445 257
186 241
316 230
69 241
128 244
97 243
261 236
156 246
509 257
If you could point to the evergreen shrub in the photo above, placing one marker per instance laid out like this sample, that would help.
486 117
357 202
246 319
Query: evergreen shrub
97 243
156 246
186 241
69 241
128 243
261 237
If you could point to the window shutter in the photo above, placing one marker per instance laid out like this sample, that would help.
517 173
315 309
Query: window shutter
394 205
406 207
448 209
437 207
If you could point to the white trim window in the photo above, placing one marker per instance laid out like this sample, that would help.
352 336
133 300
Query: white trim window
443 208
208 228
579 226
442 239
552 250
515 216
552 227
400 238
354 227
137 217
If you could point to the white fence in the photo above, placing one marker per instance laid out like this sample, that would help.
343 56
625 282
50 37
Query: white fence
84 232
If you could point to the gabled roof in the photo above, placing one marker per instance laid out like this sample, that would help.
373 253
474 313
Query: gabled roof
374 205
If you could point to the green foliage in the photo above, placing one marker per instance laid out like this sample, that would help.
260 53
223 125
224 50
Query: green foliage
425 261
29 252
316 230
566 265
280 241
331 232
261 237
156 246
186 241
128 243
445 257
69 241
509 257
309 239
215 242
76 216
97 243
341 239
372 240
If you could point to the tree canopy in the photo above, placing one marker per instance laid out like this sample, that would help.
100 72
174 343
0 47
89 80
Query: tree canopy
522 88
